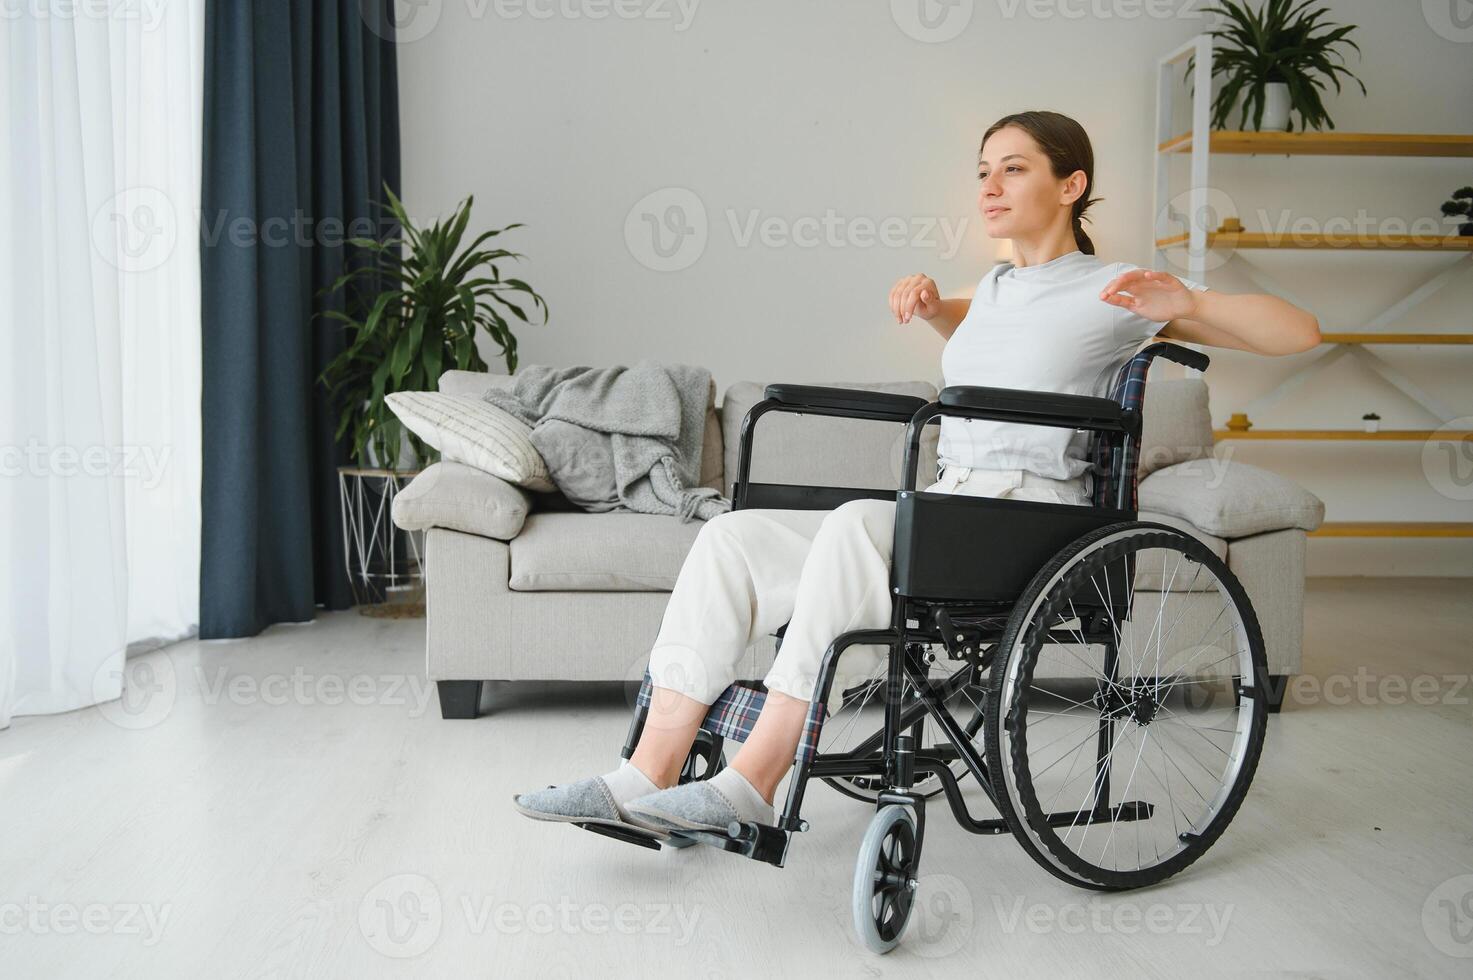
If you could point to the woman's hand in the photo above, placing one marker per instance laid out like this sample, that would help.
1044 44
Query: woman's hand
1156 296
915 295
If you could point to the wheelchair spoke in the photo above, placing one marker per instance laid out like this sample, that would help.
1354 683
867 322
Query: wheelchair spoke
1096 785
1165 733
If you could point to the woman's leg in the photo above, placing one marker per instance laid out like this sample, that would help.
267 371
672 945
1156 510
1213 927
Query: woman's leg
844 585
737 584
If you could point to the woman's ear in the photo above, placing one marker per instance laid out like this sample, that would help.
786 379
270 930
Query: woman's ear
1074 187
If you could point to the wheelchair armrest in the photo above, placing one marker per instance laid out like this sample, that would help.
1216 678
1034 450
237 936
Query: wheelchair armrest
1038 407
870 404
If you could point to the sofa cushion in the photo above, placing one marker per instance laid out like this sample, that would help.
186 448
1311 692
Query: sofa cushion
1177 425
823 451
1230 499
469 430
462 498
1150 575
619 551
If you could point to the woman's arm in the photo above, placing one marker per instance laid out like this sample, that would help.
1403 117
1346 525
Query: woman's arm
1255 322
952 312
917 295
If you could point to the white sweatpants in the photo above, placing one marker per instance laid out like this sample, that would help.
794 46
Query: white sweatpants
821 572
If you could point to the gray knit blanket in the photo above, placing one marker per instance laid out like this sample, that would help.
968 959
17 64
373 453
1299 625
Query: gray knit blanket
620 437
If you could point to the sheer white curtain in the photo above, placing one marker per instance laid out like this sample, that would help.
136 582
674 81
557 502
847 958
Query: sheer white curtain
99 344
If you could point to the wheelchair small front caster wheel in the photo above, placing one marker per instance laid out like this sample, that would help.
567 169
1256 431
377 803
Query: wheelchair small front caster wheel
706 758
885 878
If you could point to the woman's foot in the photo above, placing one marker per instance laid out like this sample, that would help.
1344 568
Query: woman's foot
596 799
708 804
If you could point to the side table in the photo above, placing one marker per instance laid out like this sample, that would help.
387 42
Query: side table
384 564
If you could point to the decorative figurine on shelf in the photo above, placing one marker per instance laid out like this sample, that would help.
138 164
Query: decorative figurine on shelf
1230 226
1372 421
1461 206
1238 422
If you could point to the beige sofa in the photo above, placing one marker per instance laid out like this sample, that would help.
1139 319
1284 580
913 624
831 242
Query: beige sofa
524 586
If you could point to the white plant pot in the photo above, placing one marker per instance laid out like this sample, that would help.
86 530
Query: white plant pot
1275 108
1372 425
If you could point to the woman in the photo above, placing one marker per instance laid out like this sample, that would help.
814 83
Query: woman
1056 318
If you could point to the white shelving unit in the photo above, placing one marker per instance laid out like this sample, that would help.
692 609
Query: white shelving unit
1172 229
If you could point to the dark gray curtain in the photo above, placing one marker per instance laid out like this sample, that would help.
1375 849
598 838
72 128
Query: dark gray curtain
301 132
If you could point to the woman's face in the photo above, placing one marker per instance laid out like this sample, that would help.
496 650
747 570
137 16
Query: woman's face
1018 195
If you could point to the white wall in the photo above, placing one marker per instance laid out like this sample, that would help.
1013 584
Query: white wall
793 110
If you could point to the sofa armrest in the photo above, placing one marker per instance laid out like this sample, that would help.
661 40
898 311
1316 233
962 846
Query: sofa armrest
462 498
1230 499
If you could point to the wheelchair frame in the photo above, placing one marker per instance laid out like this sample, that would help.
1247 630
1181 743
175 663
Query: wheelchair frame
961 618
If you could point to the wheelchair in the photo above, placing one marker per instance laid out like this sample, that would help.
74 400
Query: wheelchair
1102 679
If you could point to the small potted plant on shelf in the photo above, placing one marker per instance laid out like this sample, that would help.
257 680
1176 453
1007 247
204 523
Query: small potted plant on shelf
413 310
1276 59
1372 421
1461 206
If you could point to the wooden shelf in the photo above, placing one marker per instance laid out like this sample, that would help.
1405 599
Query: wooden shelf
1337 241
1393 529
1330 144
1385 435
1397 338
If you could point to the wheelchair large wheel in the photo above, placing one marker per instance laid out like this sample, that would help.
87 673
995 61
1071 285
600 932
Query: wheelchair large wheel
1127 706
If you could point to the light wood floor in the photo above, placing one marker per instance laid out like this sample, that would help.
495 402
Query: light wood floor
238 821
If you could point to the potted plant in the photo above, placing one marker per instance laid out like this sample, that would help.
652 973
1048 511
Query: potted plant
1277 59
1372 421
414 309
1461 206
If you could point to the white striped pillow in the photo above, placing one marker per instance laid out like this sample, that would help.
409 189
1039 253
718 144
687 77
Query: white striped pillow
476 433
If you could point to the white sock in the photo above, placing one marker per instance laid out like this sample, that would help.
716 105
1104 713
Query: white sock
628 782
750 805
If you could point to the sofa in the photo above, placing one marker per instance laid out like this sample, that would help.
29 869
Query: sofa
522 585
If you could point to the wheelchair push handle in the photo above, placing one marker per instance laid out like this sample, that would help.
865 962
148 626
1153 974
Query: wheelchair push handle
1194 359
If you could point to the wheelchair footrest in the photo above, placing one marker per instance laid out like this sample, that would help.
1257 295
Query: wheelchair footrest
621 833
1135 810
755 840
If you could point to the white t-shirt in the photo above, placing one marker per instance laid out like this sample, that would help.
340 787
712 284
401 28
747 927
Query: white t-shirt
1042 328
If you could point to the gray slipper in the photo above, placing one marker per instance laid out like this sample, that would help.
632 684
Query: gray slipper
587 801
689 806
